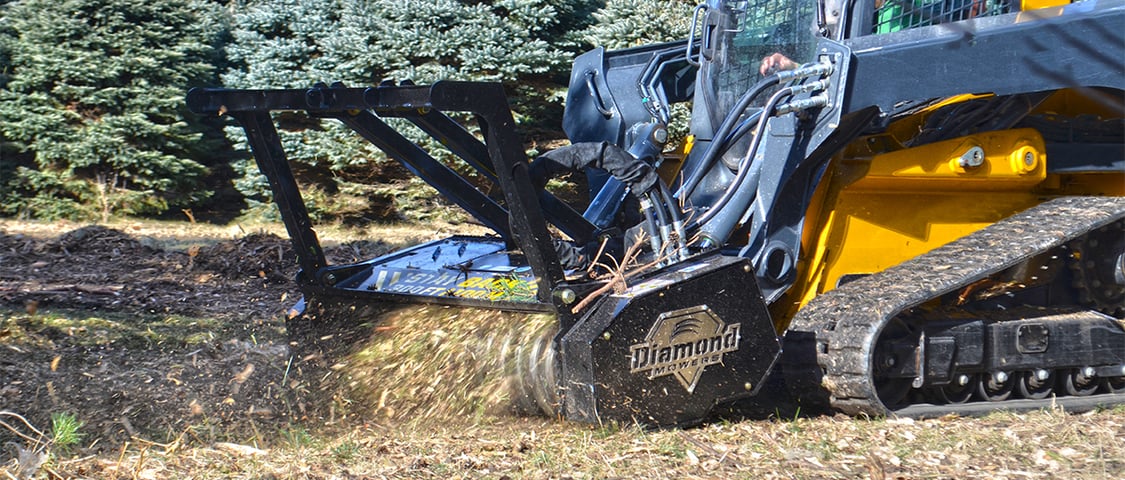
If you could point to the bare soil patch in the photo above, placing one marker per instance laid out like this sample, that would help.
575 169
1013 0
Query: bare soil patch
140 341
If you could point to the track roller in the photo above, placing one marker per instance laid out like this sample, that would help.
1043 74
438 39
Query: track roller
996 387
1079 381
1036 384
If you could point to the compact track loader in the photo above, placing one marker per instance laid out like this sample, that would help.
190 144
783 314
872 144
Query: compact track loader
884 207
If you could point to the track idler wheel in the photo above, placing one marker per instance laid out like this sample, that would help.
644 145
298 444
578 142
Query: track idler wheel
892 390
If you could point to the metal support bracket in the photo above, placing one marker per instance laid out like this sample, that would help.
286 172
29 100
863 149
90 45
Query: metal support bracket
522 215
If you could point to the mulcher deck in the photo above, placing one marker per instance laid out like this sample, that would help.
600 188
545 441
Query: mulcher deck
847 321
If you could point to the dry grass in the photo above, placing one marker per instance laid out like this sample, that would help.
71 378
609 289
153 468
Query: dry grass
429 397
1049 444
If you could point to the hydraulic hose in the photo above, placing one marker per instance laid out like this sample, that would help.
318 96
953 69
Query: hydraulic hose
739 185
663 218
677 220
650 226
745 126
714 230
721 142
719 145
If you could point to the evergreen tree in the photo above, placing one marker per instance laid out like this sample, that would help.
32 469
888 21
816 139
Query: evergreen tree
281 44
92 111
527 44
7 37
631 23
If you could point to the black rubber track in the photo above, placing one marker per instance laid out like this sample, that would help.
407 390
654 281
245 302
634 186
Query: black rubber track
830 344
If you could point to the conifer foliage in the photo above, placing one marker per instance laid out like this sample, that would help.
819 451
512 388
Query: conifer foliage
92 114
527 44
632 23
91 110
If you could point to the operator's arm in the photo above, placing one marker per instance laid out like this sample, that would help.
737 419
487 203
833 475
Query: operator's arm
776 62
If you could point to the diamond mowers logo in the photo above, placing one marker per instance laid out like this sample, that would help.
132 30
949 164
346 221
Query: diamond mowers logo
683 343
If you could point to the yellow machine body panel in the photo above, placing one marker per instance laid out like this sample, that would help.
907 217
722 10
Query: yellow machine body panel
883 204
993 161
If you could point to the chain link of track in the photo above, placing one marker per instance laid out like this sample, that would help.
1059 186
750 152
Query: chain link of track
846 323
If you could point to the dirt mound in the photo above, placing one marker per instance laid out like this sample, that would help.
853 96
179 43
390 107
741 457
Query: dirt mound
100 268
98 239
12 245
121 390
141 342
357 250
257 255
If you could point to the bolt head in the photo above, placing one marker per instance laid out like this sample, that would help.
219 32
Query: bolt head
567 296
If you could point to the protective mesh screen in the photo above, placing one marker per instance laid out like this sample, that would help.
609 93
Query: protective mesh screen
753 30
895 15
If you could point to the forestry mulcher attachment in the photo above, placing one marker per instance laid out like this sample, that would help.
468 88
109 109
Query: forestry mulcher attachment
899 207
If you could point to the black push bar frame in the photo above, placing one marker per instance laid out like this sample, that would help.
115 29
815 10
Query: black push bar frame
520 218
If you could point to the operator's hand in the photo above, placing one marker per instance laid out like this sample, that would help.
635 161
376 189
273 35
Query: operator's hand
775 62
